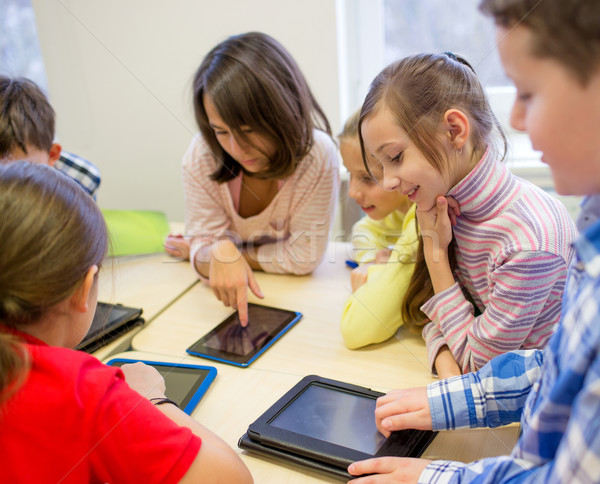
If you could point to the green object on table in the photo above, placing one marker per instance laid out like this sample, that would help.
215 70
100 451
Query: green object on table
136 231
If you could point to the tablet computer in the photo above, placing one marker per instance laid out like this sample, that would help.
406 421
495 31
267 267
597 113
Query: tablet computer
231 343
110 321
326 425
185 384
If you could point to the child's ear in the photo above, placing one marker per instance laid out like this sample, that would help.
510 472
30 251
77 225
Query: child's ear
457 127
55 151
80 298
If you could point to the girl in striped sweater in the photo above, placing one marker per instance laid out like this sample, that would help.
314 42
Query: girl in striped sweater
494 248
261 178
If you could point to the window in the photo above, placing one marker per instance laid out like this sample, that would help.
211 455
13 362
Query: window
19 47
373 33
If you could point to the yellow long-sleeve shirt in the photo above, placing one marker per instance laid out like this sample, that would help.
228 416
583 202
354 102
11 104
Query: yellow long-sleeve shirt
373 313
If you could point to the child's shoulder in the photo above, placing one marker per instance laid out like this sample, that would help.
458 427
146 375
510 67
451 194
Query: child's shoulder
199 156
322 157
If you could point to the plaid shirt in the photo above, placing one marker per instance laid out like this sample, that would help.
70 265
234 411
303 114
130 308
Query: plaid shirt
556 394
81 170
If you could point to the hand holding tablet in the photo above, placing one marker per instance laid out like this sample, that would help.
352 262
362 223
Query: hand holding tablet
327 425
185 384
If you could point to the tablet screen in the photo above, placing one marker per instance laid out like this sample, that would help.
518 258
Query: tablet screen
232 343
182 382
339 417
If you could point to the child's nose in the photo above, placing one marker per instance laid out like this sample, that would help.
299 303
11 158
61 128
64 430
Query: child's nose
236 148
389 182
517 117
354 191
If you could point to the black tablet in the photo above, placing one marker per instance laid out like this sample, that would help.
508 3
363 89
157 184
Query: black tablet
326 425
231 343
110 321
186 384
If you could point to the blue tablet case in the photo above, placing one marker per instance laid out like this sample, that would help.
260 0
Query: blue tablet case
205 351
198 379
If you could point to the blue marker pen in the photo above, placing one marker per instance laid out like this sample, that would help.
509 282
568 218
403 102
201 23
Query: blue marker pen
351 264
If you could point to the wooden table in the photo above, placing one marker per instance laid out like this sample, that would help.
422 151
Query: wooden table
313 346
152 282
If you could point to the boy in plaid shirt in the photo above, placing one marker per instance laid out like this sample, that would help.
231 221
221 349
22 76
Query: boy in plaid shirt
27 133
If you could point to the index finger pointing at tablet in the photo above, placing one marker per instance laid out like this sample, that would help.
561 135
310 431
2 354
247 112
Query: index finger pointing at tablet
242 306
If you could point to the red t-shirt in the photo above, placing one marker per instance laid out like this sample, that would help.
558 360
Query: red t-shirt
75 419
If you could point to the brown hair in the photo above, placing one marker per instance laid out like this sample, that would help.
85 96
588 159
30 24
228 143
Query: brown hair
254 82
419 90
52 232
566 31
26 116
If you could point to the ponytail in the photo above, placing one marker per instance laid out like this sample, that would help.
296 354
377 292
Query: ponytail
52 232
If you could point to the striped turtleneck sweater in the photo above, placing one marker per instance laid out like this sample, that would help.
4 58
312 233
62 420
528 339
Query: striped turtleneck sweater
513 248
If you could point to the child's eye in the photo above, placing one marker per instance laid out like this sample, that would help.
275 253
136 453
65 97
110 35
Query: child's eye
220 133
523 97
397 158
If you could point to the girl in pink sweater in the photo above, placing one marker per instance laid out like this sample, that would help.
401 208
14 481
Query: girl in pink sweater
261 178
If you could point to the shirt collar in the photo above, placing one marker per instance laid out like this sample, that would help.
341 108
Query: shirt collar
587 247
486 190
22 335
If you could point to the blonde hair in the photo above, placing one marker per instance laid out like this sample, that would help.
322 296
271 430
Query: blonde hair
418 90
350 129
51 234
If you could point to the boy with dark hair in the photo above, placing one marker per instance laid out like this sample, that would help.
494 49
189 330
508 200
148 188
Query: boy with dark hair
27 123
551 51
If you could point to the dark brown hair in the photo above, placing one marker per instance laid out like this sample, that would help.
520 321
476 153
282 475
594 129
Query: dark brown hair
566 31
254 82
26 116
52 232
418 90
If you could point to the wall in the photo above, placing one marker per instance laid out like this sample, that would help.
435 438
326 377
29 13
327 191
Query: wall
119 75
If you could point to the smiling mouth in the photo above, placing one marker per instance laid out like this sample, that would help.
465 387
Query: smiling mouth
412 191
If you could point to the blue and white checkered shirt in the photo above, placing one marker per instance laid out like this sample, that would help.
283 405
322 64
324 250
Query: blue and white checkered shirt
556 394
81 170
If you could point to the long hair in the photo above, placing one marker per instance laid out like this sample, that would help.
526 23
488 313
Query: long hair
52 232
418 90
255 83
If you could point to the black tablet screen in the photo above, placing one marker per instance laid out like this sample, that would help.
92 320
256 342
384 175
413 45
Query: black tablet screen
338 417
229 337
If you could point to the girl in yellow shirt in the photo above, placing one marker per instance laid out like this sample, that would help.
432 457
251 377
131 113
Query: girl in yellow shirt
384 245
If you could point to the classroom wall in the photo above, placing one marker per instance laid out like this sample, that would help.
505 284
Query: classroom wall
119 77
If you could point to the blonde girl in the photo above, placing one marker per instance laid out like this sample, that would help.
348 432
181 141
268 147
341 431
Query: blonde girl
373 312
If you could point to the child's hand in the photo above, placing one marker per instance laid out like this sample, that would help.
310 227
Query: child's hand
436 226
445 364
403 409
177 246
144 379
388 470
230 276
358 276
382 256
453 209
